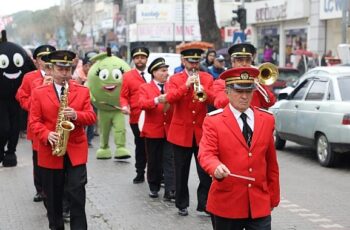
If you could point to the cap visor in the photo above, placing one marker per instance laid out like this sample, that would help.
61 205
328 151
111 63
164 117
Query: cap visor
193 60
246 86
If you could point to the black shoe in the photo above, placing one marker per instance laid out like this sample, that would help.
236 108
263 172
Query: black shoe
38 197
139 179
169 196
66 216
153 194
90 145
183 212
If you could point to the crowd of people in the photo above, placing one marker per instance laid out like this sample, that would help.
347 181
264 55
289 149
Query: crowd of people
203 110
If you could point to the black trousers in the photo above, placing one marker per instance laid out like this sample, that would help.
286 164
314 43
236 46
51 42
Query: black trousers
53 187
10 117
263 223
182 157
140 153
37 175
160 160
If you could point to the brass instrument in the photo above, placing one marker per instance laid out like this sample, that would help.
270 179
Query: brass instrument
268 75
63 127
198 91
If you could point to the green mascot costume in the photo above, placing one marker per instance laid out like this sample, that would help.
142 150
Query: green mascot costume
104 81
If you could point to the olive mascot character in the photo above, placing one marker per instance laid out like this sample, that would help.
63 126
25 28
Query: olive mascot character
104 81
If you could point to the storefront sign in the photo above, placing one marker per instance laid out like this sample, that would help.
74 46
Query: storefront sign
276 10
163 32
154 13
330 9
271 13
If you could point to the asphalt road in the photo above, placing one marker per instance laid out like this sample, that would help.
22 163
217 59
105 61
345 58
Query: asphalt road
313 197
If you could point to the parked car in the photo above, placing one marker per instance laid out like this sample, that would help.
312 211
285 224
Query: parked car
286 78
317 113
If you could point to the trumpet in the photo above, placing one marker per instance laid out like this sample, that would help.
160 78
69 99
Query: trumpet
268 75
198 91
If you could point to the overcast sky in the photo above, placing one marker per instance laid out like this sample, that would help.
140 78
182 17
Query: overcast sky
12 6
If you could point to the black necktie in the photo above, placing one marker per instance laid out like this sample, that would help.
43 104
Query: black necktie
143 76
62 92
161 88
247 131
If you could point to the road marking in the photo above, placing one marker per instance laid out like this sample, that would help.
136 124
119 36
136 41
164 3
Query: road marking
331 226
299 210
284 201
289 205
309 215
320 220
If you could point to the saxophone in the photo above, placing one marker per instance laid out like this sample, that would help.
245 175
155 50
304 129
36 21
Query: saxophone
63 126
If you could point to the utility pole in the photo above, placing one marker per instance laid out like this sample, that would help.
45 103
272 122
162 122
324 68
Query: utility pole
183 20
345 20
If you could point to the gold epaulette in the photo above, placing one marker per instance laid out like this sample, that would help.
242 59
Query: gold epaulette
264 110
212 113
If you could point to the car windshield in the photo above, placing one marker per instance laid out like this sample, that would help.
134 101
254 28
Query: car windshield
289 76
344 87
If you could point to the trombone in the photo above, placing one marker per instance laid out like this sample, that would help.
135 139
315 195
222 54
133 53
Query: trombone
268 75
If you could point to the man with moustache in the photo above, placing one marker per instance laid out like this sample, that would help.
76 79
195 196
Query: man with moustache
129 101
242 55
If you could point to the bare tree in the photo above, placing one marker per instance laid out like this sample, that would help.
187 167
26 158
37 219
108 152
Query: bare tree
207 21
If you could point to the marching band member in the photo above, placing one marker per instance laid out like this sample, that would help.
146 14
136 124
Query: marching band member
129 101
45 106
23 97
237 149
185 130
160 157
242 56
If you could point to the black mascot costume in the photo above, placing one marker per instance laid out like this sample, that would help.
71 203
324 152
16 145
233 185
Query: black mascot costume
14 63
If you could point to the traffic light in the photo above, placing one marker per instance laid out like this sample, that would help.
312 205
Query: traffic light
241 17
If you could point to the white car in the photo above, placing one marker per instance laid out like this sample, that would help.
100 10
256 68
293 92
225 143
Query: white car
171 59
317 113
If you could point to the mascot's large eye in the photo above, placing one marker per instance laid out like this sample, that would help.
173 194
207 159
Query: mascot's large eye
103 74
4 61
117 74
18 60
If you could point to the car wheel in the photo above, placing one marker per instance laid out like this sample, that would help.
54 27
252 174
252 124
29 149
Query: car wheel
279 142
325 155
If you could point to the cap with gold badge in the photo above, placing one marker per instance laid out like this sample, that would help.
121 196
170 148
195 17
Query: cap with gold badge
140 51
42 50
241 78
62 58
242 49
157 64
192 55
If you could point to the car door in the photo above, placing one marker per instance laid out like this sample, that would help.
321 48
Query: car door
309 110
287 113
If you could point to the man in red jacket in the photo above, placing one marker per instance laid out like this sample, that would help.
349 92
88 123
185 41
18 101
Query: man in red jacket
242 55
237 150
160 157
23 97
185 131
44 109
129 101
